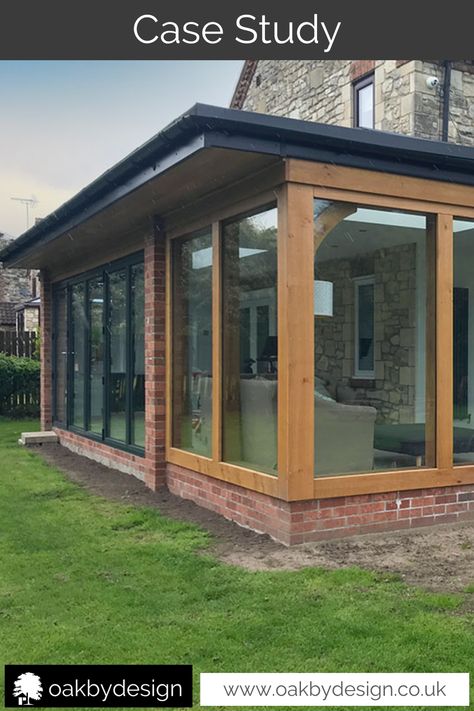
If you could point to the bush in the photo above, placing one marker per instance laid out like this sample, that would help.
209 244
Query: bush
19 386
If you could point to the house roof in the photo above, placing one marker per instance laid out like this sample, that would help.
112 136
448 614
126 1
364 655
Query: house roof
32 303
7 313
204 127
243 83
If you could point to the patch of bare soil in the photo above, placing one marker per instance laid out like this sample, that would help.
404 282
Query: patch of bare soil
436 558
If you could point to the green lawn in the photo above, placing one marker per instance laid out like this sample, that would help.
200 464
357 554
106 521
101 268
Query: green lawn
84 580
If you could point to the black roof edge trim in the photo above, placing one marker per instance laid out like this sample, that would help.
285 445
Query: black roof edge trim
262 133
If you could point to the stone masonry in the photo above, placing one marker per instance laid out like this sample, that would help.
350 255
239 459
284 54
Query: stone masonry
394 324
321 90
14 283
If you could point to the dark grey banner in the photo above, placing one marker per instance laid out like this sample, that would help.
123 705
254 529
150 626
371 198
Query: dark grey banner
148 29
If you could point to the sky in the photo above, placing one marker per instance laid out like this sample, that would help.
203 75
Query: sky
63 123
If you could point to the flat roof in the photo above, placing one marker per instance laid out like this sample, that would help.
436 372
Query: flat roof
205 126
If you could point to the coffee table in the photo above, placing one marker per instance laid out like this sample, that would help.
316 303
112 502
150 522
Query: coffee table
410 439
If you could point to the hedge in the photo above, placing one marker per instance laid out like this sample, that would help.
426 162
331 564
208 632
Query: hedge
19 386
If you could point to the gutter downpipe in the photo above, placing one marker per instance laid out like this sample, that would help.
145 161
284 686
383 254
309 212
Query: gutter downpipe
446 97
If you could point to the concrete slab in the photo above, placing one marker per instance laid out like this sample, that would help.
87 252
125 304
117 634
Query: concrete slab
33 438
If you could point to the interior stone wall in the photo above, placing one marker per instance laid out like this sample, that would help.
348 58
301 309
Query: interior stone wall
392 391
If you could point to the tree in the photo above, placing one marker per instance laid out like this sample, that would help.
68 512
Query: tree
28 685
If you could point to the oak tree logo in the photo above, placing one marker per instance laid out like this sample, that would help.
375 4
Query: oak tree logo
27 687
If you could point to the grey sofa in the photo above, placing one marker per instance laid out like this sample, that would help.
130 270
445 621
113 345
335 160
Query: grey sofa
343 439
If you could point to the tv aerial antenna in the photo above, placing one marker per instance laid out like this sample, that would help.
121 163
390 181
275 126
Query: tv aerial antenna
29 204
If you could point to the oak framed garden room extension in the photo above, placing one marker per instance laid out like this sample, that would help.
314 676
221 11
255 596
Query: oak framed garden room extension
272 317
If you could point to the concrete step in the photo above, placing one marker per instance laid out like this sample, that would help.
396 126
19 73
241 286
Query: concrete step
28 439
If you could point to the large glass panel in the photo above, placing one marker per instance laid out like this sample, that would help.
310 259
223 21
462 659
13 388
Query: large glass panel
192 343
250 358
117 327
374 383
463 342
138 355
60 358
96 353
78 341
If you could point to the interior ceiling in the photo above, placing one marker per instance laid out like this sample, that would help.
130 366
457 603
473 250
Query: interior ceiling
354 239
121 227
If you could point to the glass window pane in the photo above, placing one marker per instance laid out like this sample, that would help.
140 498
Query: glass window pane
78 341
138 350
192 343
371 365
60 381
250 364
117 327
96 345
365 106
463 342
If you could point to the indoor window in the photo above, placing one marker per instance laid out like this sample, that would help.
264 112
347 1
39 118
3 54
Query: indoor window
364 327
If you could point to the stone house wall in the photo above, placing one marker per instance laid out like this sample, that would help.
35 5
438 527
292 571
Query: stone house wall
31 315
393 388
14 283
321 90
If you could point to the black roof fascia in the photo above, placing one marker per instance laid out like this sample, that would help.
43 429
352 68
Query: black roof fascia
209 126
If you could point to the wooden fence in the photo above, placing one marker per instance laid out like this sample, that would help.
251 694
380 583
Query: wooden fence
18 344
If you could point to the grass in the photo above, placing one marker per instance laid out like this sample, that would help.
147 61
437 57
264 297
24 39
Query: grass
85 580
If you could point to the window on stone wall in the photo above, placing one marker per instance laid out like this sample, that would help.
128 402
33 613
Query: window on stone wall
373 380
363 96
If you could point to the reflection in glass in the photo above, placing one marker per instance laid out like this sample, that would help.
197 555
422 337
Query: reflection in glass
138 348
78 341
117 326
373 381
250 358
463 342
192 343
60 381
96 346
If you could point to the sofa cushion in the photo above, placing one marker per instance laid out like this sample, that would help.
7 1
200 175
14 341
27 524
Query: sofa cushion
321 389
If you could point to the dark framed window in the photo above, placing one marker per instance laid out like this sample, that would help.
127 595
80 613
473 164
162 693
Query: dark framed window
363 98
364 311
98 369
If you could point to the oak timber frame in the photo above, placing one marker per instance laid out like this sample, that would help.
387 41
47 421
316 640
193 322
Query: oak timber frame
293 185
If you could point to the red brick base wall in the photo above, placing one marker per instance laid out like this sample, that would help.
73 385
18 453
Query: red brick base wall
102 453
306 521
298 521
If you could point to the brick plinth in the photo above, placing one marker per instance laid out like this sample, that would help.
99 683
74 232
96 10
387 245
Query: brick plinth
46 336
102 453
155 392
315 520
